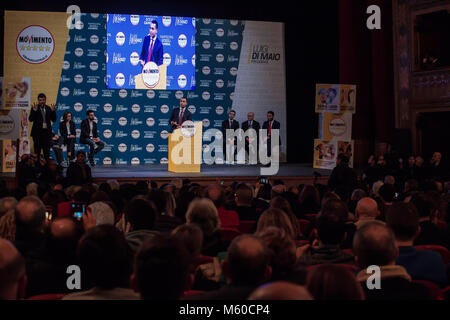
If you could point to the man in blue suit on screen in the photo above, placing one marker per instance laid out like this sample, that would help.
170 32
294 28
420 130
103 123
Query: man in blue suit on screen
152 48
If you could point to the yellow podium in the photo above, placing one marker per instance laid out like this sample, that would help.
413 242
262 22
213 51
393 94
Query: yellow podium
161 83
185 147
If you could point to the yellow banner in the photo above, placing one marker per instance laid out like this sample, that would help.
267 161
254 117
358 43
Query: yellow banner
34 49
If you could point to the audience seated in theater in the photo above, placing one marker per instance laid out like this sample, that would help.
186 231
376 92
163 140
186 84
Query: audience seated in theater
331 231
244 203
274 217
7 219
279 202
30 225
105 261
78 172
374 244
280 290
52 173
203 213
228 218
102 212
183 202
47 266
309 201
162 269
333 282
366 211
386 199
191 236
139 219
357 195
262 196
430 233
13 279
165 204
282 251
245 268
403 219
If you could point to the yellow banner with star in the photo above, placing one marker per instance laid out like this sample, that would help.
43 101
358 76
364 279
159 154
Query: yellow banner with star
34 47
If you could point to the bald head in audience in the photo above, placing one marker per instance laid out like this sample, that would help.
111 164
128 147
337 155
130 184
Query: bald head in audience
247 261
280 290
367 208
30 217
374 244
12 272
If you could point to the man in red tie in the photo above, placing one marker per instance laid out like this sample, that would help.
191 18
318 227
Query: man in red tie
179 115
152 48
270 124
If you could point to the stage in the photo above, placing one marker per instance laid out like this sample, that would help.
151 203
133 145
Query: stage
290 173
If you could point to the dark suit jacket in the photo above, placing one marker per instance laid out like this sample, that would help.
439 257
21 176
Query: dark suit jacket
36 118
275 125
225 126
255 125
157 51
187 115
85 130
63 129
75 174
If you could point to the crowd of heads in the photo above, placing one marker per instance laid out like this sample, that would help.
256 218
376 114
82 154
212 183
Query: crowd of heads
147 241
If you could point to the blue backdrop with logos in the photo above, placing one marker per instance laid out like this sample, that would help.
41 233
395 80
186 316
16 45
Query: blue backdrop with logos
134 124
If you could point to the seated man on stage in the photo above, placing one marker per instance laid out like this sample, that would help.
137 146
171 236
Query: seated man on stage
89 136
179 115
56 143
68 134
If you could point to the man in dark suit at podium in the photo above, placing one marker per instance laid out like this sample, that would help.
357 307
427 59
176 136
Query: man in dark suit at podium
152 48
230 123
42 117
251 124
269 125
179 115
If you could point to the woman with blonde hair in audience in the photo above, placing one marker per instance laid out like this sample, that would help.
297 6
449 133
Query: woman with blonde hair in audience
281 203
274 217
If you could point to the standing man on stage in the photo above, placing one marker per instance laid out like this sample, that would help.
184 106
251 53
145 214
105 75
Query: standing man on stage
152 48
230 123
251 124
269 125
180 115
42 117
89 136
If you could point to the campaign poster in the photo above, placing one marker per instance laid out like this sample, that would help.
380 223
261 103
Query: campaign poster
327 97
325 153
17 93
347 98
335 125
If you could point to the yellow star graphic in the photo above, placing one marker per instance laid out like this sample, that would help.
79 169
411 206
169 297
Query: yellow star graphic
29 48
47 48
35 48
41 48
